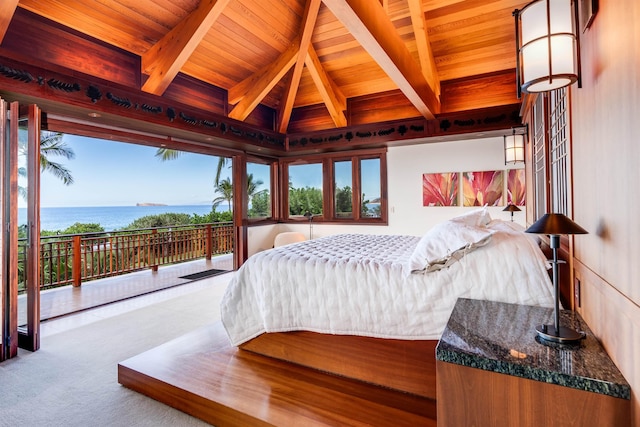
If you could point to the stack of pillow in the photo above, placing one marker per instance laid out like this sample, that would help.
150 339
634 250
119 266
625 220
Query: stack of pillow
449 241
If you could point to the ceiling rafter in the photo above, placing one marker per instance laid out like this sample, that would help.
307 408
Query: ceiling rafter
373 29
164 60
257 86
427 61
308 25
331 95
7 9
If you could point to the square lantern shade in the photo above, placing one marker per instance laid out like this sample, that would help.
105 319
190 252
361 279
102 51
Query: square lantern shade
547 45
513 148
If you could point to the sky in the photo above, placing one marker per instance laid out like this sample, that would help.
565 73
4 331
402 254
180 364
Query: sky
108 173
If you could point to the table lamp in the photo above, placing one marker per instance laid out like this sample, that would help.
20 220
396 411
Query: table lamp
555 224
511 208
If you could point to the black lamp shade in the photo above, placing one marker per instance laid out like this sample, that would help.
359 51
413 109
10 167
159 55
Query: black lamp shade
511 208
555 223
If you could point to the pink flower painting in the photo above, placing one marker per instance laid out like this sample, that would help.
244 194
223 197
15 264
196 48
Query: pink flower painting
482 188
516 190
440 189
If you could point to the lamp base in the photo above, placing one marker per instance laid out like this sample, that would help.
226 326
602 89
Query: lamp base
564 335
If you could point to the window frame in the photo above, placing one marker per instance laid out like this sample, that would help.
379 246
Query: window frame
551 168
328 188
273 176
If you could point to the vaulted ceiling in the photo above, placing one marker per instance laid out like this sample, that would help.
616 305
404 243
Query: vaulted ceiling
288 54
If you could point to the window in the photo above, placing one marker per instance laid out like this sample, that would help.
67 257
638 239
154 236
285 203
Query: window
371 190
305 189
338 187
539 159
259 191
342 189
550 153
558 147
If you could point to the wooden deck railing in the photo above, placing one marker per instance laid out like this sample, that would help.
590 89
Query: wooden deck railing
78 258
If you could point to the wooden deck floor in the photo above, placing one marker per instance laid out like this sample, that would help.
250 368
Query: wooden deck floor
68 299
203 375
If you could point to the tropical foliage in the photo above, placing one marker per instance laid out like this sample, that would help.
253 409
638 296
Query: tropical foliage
307 199
344 204
51 145
160 220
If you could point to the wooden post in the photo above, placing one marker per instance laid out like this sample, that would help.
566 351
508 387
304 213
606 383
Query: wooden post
77 261
209 242
153 247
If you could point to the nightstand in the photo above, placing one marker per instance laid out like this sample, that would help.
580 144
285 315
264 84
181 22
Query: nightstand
491 370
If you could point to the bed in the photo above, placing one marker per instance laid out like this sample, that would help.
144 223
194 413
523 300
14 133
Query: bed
372 307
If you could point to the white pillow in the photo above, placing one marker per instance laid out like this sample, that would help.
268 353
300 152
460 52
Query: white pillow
475 218
445 244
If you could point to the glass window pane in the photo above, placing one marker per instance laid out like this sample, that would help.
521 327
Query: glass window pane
342 186
259 190
305 189
371 188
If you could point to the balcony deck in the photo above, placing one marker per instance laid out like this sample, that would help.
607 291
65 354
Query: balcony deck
68 299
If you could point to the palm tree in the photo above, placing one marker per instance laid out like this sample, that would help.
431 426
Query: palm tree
225 189
51 144
252 187
168 154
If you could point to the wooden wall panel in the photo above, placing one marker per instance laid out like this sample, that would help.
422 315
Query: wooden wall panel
380 107
616 321
263 117
196 93
47 41
479 92
605 181
313 117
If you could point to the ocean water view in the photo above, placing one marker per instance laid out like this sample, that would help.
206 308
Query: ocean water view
109 217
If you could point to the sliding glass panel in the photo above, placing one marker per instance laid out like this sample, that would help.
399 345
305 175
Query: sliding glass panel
5 295
9 235
29 230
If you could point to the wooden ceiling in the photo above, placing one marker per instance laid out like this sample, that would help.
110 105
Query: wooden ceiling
290 54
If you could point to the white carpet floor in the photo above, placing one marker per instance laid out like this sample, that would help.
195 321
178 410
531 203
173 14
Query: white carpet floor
72 380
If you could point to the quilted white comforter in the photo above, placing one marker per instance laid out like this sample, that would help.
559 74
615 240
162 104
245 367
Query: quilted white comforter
360 285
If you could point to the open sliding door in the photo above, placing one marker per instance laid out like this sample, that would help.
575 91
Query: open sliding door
29 249
19 258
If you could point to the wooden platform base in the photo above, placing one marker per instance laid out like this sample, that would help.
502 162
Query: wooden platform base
203 375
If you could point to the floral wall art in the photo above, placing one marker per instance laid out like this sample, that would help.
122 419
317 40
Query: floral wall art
484 187
516 187
440 189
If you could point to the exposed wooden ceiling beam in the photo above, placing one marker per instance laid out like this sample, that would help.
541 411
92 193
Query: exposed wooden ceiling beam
256 87
373 29
308 24
165 59
7 9
332 96
427 61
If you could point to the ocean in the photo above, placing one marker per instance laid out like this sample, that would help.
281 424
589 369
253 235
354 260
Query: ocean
109 217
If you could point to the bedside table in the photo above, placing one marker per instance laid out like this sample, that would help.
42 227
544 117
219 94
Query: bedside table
491 370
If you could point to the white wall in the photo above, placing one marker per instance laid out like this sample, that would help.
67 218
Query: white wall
405 166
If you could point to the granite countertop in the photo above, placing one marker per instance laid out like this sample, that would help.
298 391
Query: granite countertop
501 337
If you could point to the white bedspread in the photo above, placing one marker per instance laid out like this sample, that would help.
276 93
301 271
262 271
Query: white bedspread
359 285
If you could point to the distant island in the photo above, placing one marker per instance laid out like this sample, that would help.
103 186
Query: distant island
151 204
